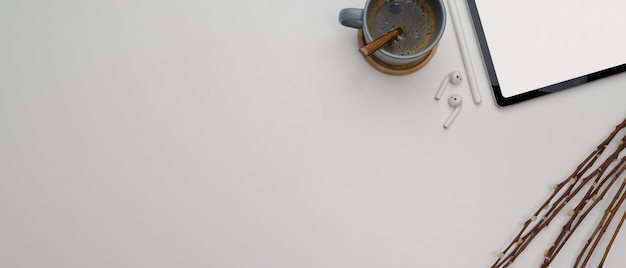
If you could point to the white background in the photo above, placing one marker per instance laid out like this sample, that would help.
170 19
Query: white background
253 134
538 43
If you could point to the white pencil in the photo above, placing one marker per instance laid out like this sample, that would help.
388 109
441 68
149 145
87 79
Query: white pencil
467 60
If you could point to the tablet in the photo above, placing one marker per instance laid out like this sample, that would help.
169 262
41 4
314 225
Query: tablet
535 47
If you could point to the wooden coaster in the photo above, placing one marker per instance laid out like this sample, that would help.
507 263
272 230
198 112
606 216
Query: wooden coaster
392 69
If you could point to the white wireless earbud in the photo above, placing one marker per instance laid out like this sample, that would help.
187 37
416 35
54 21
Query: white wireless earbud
465 55
454 78
455 101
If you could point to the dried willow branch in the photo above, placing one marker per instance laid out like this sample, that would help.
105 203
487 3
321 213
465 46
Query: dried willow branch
608 248
563 193
609 213
576 216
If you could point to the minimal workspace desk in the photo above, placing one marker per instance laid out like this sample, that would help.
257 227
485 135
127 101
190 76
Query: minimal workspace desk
253 134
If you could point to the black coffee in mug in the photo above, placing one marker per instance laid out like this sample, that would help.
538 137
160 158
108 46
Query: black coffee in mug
416 21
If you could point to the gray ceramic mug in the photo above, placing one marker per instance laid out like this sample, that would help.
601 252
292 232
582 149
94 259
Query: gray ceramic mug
358 18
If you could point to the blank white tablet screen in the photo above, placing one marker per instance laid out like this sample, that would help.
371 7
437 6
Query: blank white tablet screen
537 43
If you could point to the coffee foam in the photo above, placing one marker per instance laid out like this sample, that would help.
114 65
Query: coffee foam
416 19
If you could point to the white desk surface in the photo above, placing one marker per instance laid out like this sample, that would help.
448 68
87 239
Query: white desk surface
253 134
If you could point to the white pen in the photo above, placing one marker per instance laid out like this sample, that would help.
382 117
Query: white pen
467 60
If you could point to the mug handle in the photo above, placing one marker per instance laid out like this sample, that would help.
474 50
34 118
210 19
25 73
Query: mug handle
351 17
